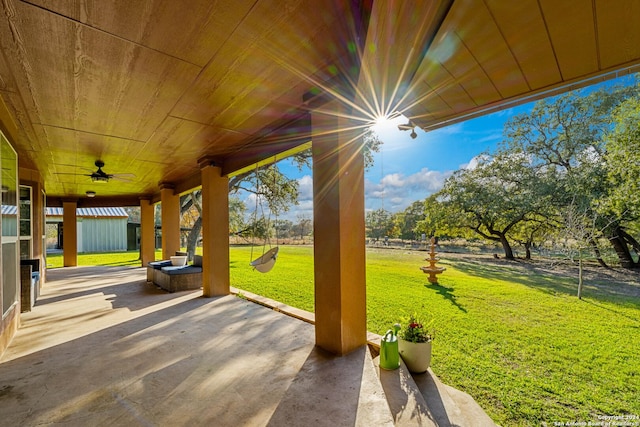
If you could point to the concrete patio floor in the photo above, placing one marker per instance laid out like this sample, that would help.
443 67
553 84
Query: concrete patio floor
102 347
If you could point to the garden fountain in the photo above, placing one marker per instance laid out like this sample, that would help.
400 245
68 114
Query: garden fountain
432 270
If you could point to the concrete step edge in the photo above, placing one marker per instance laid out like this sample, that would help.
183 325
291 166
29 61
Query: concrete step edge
450 406
406 403
377 414
471 410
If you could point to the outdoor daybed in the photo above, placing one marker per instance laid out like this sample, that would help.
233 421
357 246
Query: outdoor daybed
157 265
176 278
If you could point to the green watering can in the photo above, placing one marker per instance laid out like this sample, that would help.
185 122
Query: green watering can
389 356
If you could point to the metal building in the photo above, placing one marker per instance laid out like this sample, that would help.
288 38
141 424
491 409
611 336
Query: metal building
99 229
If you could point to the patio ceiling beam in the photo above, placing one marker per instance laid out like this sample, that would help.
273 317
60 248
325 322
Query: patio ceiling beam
282 139
98 201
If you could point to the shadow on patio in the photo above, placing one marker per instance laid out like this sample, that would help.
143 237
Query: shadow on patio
103 347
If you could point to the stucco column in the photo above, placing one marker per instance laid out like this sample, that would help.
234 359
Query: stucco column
215 230
147 232
170 209
339 234
69 234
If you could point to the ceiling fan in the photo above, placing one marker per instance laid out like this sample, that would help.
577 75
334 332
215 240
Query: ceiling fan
100 176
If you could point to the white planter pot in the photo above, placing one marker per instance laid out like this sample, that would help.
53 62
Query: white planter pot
417 356
178 260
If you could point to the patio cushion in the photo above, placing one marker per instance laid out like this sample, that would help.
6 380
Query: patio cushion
181 269
159 264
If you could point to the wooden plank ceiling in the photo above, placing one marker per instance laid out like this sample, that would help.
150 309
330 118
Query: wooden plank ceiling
152 86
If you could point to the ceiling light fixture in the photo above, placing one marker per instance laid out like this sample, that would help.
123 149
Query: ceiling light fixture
99 179
91 194
409 126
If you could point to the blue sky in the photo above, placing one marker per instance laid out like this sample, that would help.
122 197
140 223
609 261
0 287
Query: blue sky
406 170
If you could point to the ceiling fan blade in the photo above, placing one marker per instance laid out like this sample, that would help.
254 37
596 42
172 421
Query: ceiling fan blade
123 177
98 175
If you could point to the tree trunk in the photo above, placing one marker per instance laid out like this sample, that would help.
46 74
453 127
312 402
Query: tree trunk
632 242
527 250
508 252
579 273
192 238
620 246
596 249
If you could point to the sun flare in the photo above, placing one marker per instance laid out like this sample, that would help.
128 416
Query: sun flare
388 123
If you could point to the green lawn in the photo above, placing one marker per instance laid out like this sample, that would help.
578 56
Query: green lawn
519 342
112 258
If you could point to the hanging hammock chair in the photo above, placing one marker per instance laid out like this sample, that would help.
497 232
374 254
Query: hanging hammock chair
267 260
265 263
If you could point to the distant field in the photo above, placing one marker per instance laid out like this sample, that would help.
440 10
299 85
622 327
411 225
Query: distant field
511 334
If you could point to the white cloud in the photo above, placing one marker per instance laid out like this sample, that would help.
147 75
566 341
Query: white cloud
392 180
430 180
250 201
397 191
304 208
305 188
305 199
473 163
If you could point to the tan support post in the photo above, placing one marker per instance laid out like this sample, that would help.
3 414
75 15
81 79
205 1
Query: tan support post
215 231
147 232
170 209
339 235
69 234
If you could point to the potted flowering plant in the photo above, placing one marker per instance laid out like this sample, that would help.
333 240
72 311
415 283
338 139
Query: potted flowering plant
414 343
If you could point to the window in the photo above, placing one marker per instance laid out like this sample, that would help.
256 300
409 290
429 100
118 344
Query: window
9 239
26 230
